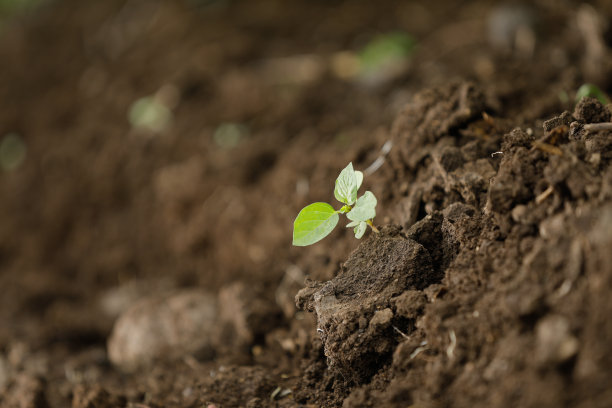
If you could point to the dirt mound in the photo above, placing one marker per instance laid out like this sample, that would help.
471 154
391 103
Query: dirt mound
493 317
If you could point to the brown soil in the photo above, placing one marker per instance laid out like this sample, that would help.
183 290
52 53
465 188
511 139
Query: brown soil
488 286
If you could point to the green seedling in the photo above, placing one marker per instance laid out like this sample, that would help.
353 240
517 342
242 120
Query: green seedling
593 91
385 50
317 220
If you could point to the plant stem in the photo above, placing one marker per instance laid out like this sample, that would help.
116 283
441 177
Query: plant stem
344 209
371 224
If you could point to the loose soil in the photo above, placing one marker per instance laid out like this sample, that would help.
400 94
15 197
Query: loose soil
488 285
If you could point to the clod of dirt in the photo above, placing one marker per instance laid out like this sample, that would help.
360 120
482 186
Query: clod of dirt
163 327
591 110
514 181
355 314
437 234
433 114
410 304
565 119
245 315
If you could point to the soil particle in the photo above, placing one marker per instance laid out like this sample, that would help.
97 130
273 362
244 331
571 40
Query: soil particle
514 181
436 235
410 304
591 110
565 119
163 328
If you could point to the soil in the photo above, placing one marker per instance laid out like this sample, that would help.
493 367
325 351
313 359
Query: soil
143 268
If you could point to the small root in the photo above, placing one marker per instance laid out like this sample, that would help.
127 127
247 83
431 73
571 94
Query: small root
594 127
450 350
404 335
544 195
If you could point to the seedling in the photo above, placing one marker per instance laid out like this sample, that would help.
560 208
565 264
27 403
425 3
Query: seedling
593 91
385 50
317 220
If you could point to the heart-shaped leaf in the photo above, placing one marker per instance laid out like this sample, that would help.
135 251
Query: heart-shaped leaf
314 223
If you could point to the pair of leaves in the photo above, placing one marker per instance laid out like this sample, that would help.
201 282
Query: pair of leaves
318 220
347 185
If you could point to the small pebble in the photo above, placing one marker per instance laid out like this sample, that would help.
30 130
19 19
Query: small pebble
163 327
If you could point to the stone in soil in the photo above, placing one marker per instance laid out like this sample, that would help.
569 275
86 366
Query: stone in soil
164 328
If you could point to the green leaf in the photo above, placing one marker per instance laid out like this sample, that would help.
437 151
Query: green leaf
360 229
346 185
591 90
359 178
314 223
386 49
365 208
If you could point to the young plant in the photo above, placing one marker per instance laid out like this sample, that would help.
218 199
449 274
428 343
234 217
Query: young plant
386 50
593 91
317 220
